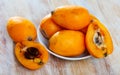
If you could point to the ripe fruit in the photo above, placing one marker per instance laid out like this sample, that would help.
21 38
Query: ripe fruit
21 29
48 27
84 30
67 43
98 40
71 17
93 17
31 55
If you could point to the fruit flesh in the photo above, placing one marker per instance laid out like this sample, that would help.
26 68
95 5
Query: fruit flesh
31 63
92 47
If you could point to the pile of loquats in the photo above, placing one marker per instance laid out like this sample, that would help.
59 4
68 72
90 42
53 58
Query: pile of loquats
70 31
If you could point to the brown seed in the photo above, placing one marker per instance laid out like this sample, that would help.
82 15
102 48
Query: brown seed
33 51
98 38
28 56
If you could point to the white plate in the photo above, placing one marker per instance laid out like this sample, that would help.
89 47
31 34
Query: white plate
44 42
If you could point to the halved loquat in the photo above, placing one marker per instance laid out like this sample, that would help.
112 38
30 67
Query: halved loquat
71 17
31 55
21 29
67 43
48 27
98 40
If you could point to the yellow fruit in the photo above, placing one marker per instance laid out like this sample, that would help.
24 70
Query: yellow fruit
67 43
48 27
98 40
71 17
21 29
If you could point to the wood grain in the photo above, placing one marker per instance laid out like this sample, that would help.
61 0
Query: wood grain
108 11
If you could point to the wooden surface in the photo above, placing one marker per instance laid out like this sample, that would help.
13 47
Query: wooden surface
108 11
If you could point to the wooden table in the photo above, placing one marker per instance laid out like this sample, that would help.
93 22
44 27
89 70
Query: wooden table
108 11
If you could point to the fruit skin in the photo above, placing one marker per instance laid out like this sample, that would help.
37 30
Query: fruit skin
93 18
48 27
28 63
71 17
91 47
67 43
21 29
84 30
